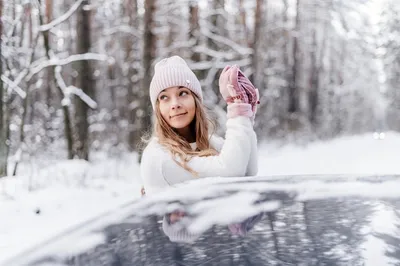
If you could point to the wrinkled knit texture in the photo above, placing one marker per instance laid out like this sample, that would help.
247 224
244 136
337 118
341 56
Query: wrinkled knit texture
244 87
170 72
237 157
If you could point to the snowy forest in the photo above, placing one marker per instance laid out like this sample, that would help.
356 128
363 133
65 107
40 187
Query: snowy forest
75 74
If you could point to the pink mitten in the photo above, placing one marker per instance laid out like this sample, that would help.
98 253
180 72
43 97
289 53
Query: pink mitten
224 82
235 93
244 86
235 87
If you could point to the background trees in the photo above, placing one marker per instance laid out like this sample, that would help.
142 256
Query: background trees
75 74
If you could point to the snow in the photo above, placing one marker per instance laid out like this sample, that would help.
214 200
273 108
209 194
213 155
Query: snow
47 202
347 155
53 198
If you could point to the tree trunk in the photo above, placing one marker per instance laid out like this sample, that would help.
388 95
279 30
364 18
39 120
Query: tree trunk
50 70
143 114
314 75
194 27
27 99
65 108
173 32
217 21
322 69
243 22
23 122
85 82
3 125
286 76
30 37
257 63
194 35
130 10
293 88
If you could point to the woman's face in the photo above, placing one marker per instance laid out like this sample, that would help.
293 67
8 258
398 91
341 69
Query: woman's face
177 107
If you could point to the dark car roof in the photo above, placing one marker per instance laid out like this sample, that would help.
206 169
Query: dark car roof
282 220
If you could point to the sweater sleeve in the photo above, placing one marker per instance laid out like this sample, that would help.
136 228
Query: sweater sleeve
150 169
231 161
252 167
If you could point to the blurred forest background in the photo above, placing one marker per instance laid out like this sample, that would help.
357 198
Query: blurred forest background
75 73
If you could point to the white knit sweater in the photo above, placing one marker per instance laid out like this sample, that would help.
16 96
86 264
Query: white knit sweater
237 157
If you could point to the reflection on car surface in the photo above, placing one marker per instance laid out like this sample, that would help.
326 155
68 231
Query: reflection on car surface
311 220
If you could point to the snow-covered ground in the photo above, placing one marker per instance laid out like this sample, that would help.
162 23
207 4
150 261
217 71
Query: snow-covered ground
46 202
346 155
39 205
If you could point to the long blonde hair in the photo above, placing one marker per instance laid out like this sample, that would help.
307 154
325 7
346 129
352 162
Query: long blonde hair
179 146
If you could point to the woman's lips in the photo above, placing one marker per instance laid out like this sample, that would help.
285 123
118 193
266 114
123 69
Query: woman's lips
178 115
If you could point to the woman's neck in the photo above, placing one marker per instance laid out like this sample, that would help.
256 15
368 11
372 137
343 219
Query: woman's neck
187 134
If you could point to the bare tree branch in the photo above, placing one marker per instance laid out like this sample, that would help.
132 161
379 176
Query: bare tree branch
12 85
57 21
38 66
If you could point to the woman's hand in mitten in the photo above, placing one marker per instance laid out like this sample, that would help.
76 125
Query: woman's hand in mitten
224 82
234 93
236 99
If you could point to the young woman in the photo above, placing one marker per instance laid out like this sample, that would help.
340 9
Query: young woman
182 147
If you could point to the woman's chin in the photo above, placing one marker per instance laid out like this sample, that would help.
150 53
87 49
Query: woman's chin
179 125
179 122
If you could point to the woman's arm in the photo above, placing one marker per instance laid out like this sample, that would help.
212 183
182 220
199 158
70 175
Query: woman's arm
231 161
151 168
252 167
159 170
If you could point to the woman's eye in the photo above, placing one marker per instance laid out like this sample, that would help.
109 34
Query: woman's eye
183 93
163 97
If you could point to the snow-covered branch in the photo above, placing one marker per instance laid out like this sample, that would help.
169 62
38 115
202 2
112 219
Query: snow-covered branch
67 91
123 29
14 86
16 22
220 39
41 64
61 19
215 54
219 64
66 101
37 67
81 94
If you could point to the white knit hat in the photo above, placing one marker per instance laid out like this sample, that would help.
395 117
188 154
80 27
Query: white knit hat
170 72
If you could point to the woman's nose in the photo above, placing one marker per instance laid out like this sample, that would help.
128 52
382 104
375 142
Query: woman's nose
176 106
